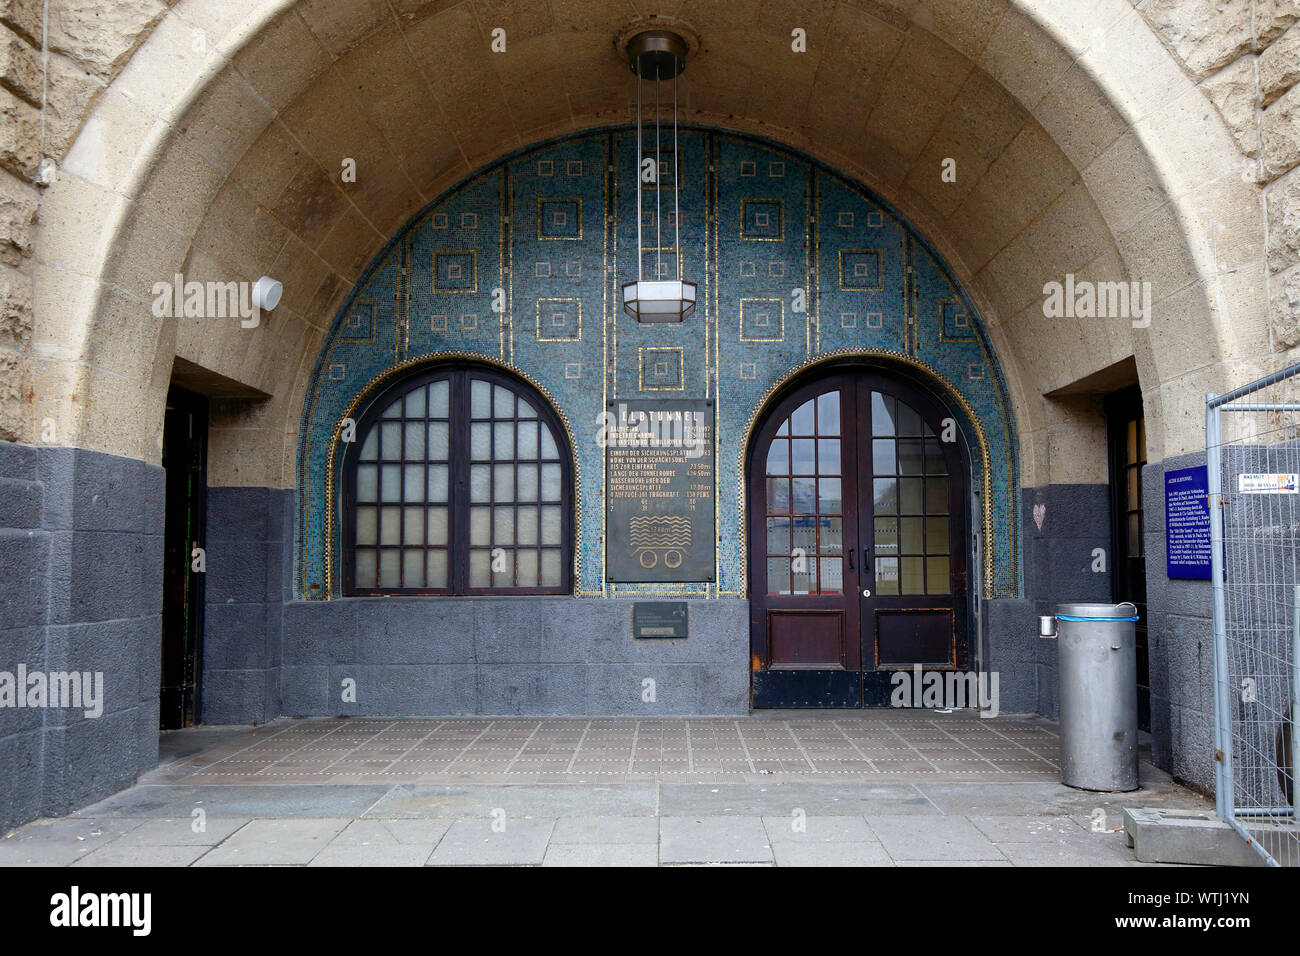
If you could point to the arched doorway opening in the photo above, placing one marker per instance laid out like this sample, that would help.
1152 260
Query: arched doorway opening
859 490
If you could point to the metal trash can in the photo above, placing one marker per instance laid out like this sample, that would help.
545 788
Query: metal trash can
1098 695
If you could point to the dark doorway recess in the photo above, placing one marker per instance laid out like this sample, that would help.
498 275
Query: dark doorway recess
1127 440
857 537
185 462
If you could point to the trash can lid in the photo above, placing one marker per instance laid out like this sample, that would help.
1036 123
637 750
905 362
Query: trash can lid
1096 612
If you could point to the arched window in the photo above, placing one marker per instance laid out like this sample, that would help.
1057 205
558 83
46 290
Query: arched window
459 482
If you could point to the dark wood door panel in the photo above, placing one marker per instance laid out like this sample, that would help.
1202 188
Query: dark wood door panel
806 640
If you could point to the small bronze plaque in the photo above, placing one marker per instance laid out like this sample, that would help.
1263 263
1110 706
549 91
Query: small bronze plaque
659 619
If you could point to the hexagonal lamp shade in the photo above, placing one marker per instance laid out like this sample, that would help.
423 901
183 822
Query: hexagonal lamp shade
656 301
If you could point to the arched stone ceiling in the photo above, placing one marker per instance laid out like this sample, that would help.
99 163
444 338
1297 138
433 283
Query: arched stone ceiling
1080 147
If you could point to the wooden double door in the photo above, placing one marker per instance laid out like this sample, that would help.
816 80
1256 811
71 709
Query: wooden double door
857 491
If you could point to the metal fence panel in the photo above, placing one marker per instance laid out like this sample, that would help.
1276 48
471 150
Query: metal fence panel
1253 466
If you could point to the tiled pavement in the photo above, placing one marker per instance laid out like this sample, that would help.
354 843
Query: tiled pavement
864 789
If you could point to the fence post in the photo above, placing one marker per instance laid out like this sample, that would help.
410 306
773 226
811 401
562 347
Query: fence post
1223 795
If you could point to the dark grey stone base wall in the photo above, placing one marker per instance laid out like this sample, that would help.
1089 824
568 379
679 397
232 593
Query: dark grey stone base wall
1058 563
249 563
1180 647
81 540
525 655
1012 653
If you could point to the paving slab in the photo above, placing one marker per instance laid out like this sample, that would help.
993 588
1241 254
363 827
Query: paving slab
932 838
817 829
383 843
265 800
558 800
475 843
606 830
117 854
831 854
275 843
1026 829
60 842
779 799
714 839
609 854
182 832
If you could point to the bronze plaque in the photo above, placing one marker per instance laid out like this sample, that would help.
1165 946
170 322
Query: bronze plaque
659 481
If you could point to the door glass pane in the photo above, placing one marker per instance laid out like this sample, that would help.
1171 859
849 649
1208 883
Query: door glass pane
526 409
503 526
440 399
550 525
910 461
549 450
413 568
804 492
828 413
936 496
527 525
934 460
830 536
367 526
480 532
528 446
439 441
480 482
882 416
936 535
438 482
832 576
415 432
503 402
367 567
526 568
885 496
390 525
415 403
909 422
912 493
438 525
414 489
551 484
803 536
936 576
828 456
778 457
526 483
882 457
911 575
886 538
778 496
912 539
804 576
370 447
550 567
503 568
413 526
480 441
435 574
830 499
803 457
390 438
778 535
504 432
886 576
480 568
480 399
778 575
503 486
390 569
367 482
801 422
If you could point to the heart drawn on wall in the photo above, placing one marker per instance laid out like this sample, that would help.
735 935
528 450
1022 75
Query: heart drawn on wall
1040 512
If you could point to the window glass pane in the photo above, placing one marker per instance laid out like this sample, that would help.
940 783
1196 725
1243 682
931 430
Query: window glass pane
1134 491
936 496
885 496
439 442
805 495
778 575
413 526
550 524
367 568
370 447
549 451
436 569
415 489
415 441
828 414
828 456
829 496
480 441
504 482
552 487
367 526
480 532
551 568
504 402
480 568
912 536
936 535
439 399
390 437
832 576
886 575
804 457
909 457
882 416
503 525
527 568
415 403
438 525
882 456
527 439
937 580
801 422
913 495
912 575
934 462
480 482
1132 442
438 478
503 568
412 568
778 535
909 422
526 483
504 433
480 399
390 569
527 525
367 482
778 457
778 496
390 525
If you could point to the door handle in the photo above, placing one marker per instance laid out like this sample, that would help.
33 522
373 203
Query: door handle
850 559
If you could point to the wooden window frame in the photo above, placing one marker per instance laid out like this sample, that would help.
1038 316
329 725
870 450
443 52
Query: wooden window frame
459 377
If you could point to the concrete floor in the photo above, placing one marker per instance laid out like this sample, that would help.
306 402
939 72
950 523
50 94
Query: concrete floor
865 788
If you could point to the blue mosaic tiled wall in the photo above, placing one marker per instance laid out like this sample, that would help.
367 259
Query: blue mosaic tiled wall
554 230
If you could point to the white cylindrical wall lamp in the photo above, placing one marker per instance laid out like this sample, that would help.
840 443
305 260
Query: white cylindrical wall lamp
266 293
